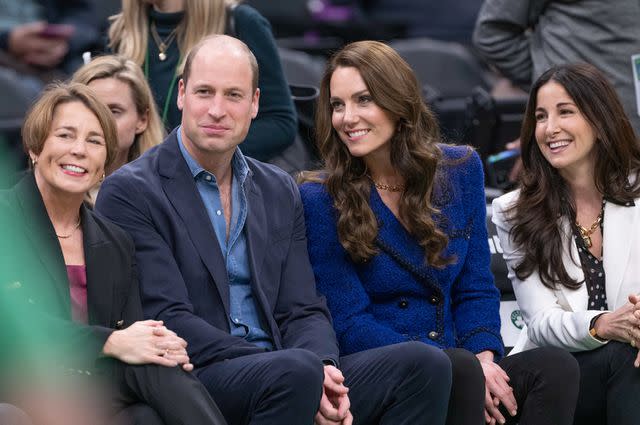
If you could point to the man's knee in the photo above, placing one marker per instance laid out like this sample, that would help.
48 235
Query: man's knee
297 368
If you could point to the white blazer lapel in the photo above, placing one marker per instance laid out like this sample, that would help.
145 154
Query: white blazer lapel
620 229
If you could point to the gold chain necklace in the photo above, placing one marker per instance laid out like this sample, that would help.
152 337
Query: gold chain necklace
72 232
163 45
389 187
586 233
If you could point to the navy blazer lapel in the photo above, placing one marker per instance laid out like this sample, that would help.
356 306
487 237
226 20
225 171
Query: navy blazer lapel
257 238
181 190
98 251
255 226
42 236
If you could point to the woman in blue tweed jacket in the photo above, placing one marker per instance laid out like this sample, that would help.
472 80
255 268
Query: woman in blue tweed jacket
398 243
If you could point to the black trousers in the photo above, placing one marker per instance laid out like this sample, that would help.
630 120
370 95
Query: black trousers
158 395
609 386
402 384
544 382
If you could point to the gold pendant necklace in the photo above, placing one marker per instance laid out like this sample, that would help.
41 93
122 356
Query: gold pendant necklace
586 233
163 45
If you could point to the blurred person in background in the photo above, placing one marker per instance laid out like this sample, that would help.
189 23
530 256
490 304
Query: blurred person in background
119 83
158 34
46 38
524 38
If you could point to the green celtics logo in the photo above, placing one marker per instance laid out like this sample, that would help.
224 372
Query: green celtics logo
516 319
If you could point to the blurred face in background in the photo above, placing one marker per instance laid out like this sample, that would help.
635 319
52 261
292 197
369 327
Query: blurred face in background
118 96
166 6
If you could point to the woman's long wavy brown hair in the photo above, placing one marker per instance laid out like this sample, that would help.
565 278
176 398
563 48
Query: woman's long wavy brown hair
544 194
414 153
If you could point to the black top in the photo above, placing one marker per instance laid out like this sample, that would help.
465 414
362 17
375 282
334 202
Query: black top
593 267
161 73
593 272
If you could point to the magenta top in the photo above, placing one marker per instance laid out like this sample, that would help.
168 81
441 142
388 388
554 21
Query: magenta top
78 290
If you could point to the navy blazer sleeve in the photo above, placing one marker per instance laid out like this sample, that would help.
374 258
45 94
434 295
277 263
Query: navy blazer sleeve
302 315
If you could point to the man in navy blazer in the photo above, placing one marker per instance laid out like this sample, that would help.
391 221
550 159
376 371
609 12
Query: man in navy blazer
222 260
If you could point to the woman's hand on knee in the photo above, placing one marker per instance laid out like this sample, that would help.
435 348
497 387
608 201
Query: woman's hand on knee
146 342
174 346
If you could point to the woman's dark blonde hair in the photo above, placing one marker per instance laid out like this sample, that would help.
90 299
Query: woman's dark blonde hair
37 124
129 30
545 195
414 153
125 70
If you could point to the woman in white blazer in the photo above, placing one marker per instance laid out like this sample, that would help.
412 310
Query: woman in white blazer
571 237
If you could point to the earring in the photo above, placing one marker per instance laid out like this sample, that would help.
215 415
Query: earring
34 161
102 178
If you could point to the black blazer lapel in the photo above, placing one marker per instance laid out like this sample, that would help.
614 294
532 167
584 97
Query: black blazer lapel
42 236
97 253
183 194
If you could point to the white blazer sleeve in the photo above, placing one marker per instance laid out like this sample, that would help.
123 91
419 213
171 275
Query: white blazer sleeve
554 317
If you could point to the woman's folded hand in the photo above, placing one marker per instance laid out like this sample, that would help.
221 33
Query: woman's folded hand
148 341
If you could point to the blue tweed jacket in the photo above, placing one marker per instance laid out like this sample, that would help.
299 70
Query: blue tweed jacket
395 296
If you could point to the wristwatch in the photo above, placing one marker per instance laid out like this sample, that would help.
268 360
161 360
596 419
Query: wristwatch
592 329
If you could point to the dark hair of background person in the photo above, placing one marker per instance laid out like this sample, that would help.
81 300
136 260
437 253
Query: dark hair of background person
544 194
414 153
37 125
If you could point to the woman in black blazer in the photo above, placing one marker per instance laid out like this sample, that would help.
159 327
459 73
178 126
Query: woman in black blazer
74 272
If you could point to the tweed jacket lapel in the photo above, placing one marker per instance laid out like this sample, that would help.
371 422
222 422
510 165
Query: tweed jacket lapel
398 243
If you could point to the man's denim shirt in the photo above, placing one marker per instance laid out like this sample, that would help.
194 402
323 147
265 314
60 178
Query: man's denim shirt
244 321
